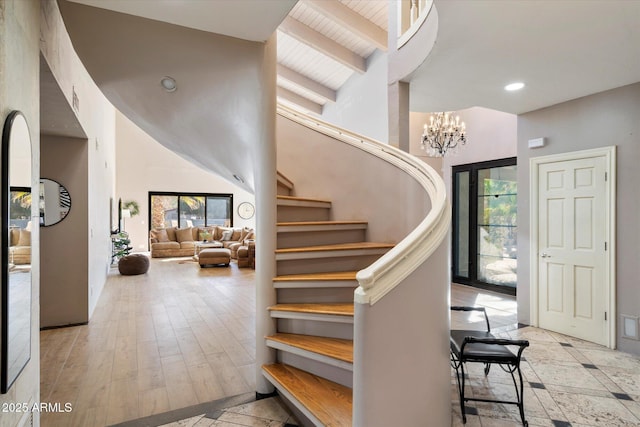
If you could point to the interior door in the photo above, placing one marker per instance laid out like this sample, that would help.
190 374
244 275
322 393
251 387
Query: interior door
572 258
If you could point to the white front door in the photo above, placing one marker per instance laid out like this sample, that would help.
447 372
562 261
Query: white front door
573 216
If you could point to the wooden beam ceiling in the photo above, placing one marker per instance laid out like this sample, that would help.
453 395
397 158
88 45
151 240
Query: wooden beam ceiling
350 20
323 44
306 83
299 100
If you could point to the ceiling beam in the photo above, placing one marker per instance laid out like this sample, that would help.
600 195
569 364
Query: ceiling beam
351 21
323 44
303 102
306 83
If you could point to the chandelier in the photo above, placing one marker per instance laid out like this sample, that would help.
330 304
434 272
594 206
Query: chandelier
443 134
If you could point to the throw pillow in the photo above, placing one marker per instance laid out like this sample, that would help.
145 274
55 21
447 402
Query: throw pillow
245 232
161 235
171 232
25 238
184 235
226 235
237 232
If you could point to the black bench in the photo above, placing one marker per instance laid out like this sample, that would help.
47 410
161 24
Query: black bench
483 347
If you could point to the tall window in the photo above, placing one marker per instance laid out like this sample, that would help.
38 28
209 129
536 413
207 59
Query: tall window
189 209
485 202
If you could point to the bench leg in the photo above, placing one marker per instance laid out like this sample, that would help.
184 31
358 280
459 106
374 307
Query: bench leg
459 367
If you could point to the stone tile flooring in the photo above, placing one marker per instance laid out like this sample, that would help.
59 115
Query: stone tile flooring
262 413
568 382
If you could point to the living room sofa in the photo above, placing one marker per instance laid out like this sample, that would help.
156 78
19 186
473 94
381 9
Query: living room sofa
178 242
19 246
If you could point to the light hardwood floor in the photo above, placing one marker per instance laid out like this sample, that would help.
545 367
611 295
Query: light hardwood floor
174 337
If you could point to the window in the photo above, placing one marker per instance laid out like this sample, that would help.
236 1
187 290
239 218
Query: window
190 210
485 201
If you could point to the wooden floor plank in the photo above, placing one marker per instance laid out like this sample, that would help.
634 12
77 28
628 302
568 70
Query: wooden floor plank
340 349
329 402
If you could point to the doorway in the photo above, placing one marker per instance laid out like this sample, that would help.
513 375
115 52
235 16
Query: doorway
572 244
485 201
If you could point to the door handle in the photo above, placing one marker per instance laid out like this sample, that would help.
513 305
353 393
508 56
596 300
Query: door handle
545 255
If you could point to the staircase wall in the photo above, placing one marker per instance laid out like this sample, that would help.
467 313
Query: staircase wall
401 345
359 186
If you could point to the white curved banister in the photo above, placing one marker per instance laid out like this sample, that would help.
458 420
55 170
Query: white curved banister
389 270
416 23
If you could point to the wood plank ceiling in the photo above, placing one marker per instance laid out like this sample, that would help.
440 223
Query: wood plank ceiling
322 43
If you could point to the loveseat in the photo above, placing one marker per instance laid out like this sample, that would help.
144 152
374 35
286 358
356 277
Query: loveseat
19 246
177 242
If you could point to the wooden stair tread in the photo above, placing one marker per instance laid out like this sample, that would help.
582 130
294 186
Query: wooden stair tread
282 179
336 275
340 309
336 247
301 199
336 348
329 402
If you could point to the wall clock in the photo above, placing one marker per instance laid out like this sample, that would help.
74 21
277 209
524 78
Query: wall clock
246 210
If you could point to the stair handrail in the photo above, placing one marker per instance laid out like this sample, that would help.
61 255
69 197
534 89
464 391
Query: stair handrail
378 279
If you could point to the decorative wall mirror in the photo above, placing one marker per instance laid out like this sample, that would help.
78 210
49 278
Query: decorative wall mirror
55 202
16 248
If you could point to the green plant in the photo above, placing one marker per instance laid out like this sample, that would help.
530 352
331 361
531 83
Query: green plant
133 207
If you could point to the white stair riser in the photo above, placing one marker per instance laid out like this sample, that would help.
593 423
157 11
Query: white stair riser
320 329
294 213
317 238
314 317
315 284
338 375
316 295
324 265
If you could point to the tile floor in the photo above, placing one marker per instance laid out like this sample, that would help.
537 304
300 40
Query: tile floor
150 333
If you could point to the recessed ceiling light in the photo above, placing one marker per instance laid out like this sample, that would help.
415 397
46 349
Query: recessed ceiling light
169 84
514 86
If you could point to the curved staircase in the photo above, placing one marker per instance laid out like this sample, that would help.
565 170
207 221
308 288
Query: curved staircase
316 262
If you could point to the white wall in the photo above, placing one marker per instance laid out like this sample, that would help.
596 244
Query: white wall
491 135
361 104
600 120
19 83
96 116
144 165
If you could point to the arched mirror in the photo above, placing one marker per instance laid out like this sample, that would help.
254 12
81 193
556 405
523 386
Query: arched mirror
16 248
55 202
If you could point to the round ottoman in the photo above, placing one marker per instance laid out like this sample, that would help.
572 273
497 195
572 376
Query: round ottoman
214 256
133 264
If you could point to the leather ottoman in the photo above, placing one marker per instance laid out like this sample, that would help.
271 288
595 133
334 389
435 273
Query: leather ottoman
214 256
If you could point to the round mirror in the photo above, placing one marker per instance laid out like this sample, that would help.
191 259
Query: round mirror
55 202
16 248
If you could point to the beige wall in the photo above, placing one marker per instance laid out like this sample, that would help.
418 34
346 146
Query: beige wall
144 165
63 246
19 76
601 120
